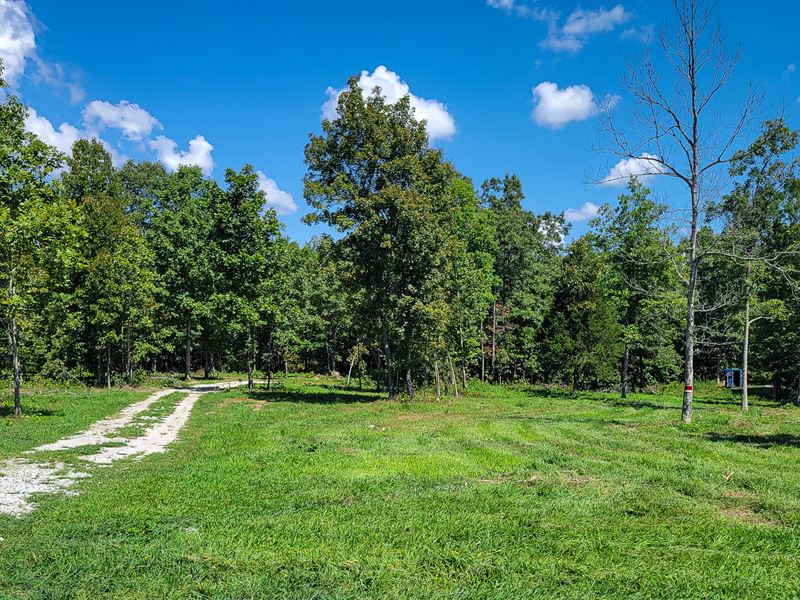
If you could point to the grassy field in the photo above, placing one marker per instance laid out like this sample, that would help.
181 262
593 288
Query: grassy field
307 491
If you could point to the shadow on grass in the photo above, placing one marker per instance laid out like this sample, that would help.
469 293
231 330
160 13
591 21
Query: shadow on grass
759 441
7 410
329 396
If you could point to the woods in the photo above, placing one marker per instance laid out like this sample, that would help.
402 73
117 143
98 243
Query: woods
426 279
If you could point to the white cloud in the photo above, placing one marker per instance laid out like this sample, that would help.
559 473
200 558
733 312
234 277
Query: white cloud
580 25
281 201
439 122
641 34
134 122
554 107
17 40
18 47
571 35
791 68
642 167
588 211
62 138
199 153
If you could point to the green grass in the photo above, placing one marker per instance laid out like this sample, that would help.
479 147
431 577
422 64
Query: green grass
51 413
312 492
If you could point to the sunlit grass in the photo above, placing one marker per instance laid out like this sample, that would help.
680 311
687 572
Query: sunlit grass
311 491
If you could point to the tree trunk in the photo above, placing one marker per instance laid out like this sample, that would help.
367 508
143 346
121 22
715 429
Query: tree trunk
187 370
108 366
388 360
463 365
745 352
688 372
128 361
494 340
483 353
250 358
575 382
438 381
13 345
623 386
453 376
409 383
350 369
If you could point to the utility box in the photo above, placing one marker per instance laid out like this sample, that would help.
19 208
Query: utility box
733 378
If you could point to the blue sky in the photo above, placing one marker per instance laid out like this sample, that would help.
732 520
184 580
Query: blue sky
251 79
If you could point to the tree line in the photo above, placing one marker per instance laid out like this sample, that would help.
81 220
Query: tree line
427 279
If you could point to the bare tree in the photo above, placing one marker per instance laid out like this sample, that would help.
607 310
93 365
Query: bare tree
674 132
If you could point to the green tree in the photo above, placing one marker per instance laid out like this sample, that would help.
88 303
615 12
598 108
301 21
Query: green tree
373 176
581 341
36 223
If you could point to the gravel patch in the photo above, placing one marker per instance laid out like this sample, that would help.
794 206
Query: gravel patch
21 478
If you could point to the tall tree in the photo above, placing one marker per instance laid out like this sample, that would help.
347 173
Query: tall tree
373 176
675 133
36 222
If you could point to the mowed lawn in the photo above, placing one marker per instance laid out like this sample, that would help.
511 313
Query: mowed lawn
308 491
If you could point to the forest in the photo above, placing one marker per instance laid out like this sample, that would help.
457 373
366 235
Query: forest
427 278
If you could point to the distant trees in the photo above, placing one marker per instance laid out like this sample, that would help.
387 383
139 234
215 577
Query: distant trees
426 280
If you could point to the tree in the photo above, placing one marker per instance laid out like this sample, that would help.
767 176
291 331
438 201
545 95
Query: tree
757 204
581 340
674 133
36 222
178 229
643 282
373 176
243 233
526 263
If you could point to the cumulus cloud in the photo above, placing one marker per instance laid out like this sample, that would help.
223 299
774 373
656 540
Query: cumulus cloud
61 138
571 34
587 211
643 166
440 123
65 135
133 121
199 153
281 201
554 107
17 40
18 48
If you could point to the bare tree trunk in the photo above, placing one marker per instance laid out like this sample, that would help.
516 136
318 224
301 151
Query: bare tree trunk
688 374
438 381
409 383
353 359
494 340
187 372
745 351
463 365
623 387
453 376
483 353
250 357
13 345
108 366
388 360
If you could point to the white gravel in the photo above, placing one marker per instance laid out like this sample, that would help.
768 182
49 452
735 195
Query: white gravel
21 478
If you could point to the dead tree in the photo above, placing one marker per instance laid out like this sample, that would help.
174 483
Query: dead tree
673 132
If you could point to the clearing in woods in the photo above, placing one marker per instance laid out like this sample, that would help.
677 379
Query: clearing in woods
310 490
